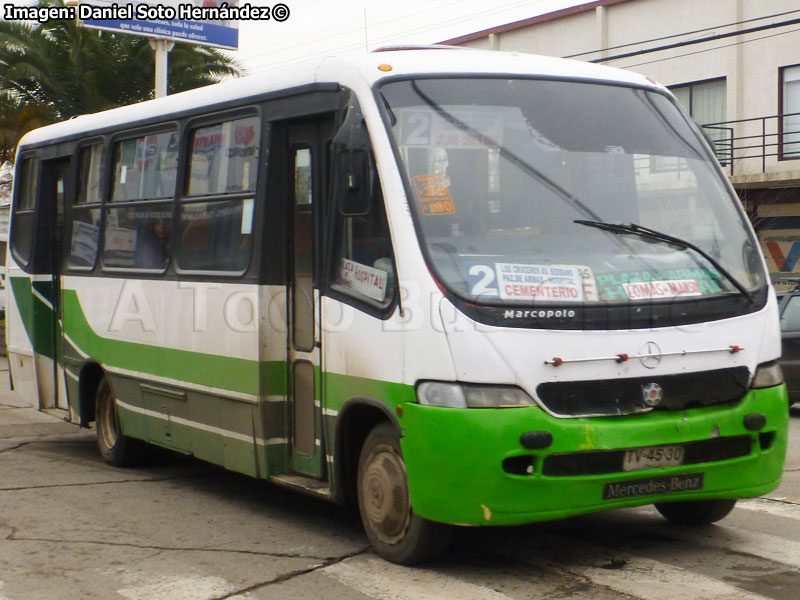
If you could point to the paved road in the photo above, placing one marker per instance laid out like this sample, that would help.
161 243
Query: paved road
178 529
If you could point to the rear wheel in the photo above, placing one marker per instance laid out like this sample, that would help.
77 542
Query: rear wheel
695 512
116 449
396 533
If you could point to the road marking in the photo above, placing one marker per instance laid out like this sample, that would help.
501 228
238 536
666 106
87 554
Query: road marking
738 539
385 581
626 572
179 588
653 580
779 507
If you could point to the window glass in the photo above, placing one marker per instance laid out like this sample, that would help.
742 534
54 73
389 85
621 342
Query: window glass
302 177
790 319
363 262
521 230
707 102
363 266
215 236
24 217
28 184
84 236
138 237
791 105
89 175
145 167
224 158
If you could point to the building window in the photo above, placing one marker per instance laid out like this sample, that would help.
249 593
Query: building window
706 103
790 111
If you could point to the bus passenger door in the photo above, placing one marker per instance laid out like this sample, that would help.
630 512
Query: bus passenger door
306 176
47 288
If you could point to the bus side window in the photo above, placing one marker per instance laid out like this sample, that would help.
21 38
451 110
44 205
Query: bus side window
215 228
138 236
24 215
84 225
363 260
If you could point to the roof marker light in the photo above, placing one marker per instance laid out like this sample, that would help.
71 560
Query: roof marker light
385 68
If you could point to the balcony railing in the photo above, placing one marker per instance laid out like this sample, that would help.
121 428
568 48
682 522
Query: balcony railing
758 138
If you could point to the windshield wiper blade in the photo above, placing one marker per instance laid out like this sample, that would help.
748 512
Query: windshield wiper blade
658 236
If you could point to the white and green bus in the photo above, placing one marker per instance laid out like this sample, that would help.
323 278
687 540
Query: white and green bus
454 287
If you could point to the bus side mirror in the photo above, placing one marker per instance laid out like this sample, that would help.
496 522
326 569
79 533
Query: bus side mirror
355 183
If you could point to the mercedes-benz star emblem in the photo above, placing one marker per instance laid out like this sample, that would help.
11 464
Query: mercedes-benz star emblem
652 394
650 355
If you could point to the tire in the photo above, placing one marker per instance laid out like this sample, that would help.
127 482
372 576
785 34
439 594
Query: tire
116 449
695 512
395 532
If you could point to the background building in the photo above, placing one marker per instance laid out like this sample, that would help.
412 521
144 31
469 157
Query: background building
733 64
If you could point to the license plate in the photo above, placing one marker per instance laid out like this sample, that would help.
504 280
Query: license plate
652 456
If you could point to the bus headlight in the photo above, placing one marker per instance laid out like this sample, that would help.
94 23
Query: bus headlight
455 395
767 375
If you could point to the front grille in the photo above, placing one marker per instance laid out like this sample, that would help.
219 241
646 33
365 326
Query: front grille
601 462
624 396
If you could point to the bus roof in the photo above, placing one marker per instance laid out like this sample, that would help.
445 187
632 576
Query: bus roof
351 71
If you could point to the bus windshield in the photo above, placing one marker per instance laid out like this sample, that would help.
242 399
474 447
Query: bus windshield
505 173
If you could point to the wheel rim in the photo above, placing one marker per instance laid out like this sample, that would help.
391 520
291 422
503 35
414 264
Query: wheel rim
385 495
107 420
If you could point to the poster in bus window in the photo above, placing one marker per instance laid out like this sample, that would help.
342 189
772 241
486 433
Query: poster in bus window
206 148
533 283
426 128
434 195
84 243
119 245
655 284
242 153
367 281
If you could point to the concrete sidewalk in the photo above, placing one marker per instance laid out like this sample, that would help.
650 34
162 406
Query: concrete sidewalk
21 422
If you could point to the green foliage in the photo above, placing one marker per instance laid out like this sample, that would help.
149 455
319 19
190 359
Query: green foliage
57 70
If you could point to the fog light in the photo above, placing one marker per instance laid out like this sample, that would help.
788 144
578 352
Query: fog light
755 421
536 440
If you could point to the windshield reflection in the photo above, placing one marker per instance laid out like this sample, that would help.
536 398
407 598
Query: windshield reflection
502 169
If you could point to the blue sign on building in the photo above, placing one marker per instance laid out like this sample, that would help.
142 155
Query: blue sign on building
162 20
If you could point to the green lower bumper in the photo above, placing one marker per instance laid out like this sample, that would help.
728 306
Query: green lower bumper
454 459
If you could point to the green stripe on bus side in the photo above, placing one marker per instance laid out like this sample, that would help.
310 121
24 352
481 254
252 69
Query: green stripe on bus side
37 318
341 388
215 371
212 370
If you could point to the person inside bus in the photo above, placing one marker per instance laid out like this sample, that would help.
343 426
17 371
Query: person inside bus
154 250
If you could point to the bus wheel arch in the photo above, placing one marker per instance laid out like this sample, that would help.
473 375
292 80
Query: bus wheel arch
357 417
117 449
91 374
395 531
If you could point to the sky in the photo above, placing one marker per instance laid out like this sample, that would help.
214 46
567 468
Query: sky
317 28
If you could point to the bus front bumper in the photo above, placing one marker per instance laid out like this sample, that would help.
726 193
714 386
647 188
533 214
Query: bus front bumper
468 466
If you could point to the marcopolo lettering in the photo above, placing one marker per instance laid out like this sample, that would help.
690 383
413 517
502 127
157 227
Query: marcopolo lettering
539 314
656 485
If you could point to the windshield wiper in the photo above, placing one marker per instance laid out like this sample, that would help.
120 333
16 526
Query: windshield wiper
657 236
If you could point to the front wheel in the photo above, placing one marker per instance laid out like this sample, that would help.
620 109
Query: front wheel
116 449
396 533
695 512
